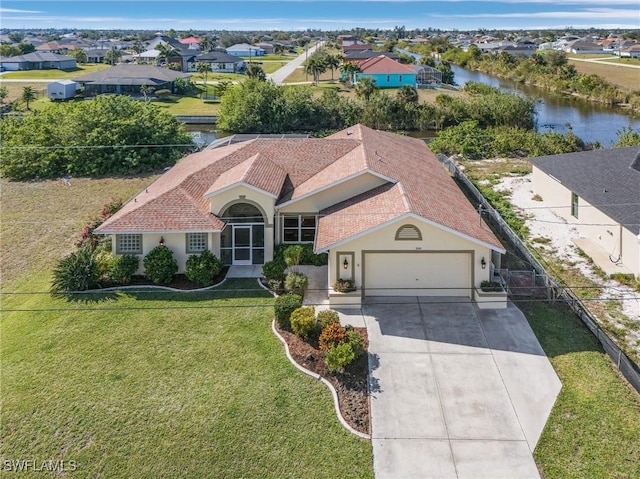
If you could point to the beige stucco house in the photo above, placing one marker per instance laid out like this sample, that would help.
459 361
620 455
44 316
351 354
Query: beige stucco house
380 204
597 192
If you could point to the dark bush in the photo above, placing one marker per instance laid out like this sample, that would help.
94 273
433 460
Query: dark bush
331 335
77 272
326 317
159 265
285 305
203 268
274 269
122 268
303 321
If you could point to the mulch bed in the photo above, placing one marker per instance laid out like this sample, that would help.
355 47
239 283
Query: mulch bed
351 385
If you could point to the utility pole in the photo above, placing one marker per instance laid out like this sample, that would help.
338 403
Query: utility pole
306 57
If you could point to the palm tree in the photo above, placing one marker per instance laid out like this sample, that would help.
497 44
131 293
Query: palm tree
28 95
333 62
167 51
255 71
407 94
316 65
204 68
349 68
366 87
112 56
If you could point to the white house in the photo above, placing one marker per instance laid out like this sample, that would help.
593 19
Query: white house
381 205
245 50
597 192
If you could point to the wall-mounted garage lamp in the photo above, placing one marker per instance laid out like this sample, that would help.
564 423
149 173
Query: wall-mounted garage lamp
483 263
345 263
161 240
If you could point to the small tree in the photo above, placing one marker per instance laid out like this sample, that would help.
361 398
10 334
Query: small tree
292 256
204 68
255 71
4 92
28 95
365 88
79 54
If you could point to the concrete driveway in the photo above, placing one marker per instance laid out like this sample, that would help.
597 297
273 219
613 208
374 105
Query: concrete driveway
456 392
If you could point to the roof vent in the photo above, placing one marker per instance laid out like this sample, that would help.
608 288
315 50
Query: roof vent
349 132
380 158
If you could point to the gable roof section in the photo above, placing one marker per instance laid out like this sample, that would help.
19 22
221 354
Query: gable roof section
218 57
384 64
257 172
606 178
427 191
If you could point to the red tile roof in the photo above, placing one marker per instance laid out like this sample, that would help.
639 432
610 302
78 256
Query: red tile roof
384 64
291 168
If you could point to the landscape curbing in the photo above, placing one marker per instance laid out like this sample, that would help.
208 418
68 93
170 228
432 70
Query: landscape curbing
165 288
324 381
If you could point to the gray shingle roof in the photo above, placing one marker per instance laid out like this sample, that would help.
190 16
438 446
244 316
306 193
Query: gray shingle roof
132 75
38 57
608 179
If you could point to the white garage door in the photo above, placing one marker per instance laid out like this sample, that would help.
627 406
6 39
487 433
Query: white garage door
417 273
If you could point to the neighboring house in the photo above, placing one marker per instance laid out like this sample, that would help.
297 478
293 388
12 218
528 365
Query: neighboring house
148 56
38 61
245 50
219 62
127 79
96 55
190 41
387 73
632 51
267 47
356 47
582 47
598 193
361 55
380 204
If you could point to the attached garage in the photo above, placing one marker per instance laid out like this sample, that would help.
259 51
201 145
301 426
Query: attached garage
417 273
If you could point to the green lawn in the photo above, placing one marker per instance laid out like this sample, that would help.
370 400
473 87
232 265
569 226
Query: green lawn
55 74
188 105
284 58
594 428
148 385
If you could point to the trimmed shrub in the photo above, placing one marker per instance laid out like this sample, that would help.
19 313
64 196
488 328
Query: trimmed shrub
296 283
285 305
78 271
160 266
326 317
277 286
303 321
308 257
274 269
354 338
332 335
203 268
293 255
339 357
122 268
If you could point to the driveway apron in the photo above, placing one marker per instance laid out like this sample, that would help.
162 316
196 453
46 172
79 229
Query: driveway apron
456 392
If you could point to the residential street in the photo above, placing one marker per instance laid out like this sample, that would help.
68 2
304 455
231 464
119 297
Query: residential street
280 75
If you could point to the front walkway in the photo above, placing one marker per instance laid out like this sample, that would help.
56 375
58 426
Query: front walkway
456 392
248 271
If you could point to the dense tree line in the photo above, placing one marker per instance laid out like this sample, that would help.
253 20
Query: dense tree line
550 70
107 135
262 107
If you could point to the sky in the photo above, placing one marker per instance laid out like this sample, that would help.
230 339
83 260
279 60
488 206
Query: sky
320 14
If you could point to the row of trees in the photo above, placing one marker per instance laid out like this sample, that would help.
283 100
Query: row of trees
550 70
108 135
320 62
262 107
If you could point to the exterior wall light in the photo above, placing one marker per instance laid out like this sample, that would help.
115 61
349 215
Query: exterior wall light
483 263
162 242
345 264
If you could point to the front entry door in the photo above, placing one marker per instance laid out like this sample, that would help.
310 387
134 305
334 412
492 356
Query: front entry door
241 245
